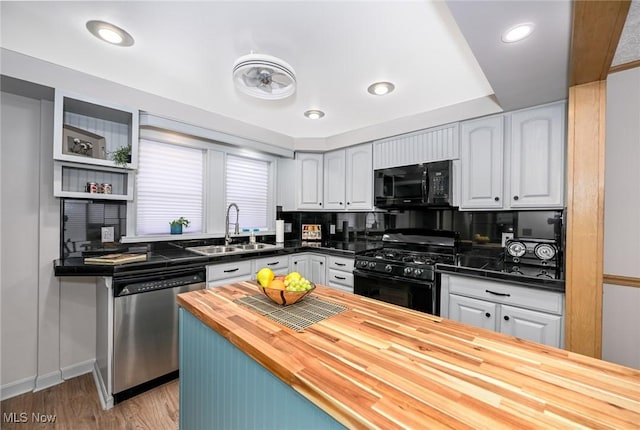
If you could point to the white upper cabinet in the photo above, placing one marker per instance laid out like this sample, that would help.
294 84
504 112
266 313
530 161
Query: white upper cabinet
537 157
359 177
334 180
309 174
533 149
89 131
434 144
481 155
348 178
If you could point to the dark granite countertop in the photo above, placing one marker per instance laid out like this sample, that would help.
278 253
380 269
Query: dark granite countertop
494 273
168 257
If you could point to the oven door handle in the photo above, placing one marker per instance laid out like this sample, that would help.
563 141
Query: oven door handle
392 278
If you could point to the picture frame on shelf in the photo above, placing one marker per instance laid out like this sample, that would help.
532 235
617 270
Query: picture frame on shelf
76 141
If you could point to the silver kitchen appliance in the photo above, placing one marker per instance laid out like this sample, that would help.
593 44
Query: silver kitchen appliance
539 258
402 271
145 327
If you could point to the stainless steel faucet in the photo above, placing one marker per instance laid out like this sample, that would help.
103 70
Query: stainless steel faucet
236 231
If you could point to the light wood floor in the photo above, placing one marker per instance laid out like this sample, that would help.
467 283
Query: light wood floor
76 406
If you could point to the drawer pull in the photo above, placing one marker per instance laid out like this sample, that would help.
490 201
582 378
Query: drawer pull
273 264
342 278
498 294
340 264
231 270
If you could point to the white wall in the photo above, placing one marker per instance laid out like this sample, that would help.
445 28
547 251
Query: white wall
19 152
621 304
41 72
47 325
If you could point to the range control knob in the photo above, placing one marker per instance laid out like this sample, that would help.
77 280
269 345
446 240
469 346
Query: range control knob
388 268
372 264
408 270
363 264
418 272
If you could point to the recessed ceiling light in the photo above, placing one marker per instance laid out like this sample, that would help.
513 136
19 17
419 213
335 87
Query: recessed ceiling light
109 33
381 88
314 114
517 33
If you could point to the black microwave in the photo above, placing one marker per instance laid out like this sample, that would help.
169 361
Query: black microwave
426 184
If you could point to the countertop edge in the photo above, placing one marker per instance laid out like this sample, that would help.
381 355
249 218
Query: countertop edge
80 269
556 285
342 414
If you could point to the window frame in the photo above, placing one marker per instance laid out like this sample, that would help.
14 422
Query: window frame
214 186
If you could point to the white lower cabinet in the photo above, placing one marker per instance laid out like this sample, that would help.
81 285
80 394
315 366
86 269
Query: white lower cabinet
300 263
228 273
520 311
340 273
278 264
537 326
317 266
479 313
310 266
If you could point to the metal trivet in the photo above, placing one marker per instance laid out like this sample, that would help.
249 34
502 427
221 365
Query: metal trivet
297 316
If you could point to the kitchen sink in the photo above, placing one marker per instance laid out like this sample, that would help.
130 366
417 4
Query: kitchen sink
221 249
252 246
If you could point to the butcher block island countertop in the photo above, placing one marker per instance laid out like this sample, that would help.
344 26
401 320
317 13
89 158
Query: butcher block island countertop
377 365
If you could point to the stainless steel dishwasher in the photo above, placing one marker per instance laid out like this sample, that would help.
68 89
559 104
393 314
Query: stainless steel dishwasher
145 328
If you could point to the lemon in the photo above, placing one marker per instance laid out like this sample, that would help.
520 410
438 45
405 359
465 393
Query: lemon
265 276
293 276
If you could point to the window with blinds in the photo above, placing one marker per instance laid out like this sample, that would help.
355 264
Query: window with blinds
247 185
169 186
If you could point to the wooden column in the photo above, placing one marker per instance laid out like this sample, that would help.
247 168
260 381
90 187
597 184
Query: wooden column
585 218
596 29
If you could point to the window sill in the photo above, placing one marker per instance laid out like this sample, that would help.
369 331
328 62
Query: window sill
184 236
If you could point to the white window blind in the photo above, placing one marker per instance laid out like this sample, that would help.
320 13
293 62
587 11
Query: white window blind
247 185
169 186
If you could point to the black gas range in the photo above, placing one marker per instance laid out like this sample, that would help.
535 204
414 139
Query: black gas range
402 271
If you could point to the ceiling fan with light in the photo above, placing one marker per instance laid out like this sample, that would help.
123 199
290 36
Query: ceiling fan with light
264 76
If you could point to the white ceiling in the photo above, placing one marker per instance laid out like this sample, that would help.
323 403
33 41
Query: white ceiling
439 55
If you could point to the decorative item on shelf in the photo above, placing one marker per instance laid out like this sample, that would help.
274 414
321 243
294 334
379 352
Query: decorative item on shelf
121 156
76 141
177 224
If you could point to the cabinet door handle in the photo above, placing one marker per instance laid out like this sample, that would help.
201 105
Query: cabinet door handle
348 203
340 264
295 262
515 197
506 317
273 264
342 278
321 263
488 315
320 203
231 270
497 199
498 294
340 203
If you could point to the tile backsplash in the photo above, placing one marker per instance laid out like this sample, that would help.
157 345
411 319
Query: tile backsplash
82 222
523 224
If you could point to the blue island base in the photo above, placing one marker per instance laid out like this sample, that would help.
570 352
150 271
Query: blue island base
223 388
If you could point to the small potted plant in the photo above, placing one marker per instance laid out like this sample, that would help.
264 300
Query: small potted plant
177 224
121 156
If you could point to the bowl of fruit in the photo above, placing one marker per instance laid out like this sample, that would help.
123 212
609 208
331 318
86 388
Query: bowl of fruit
283 290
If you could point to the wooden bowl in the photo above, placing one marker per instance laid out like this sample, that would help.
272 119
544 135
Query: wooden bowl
284 297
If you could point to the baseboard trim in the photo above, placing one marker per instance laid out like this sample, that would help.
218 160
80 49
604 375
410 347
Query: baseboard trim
48 380
77 369
106 399
16 388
